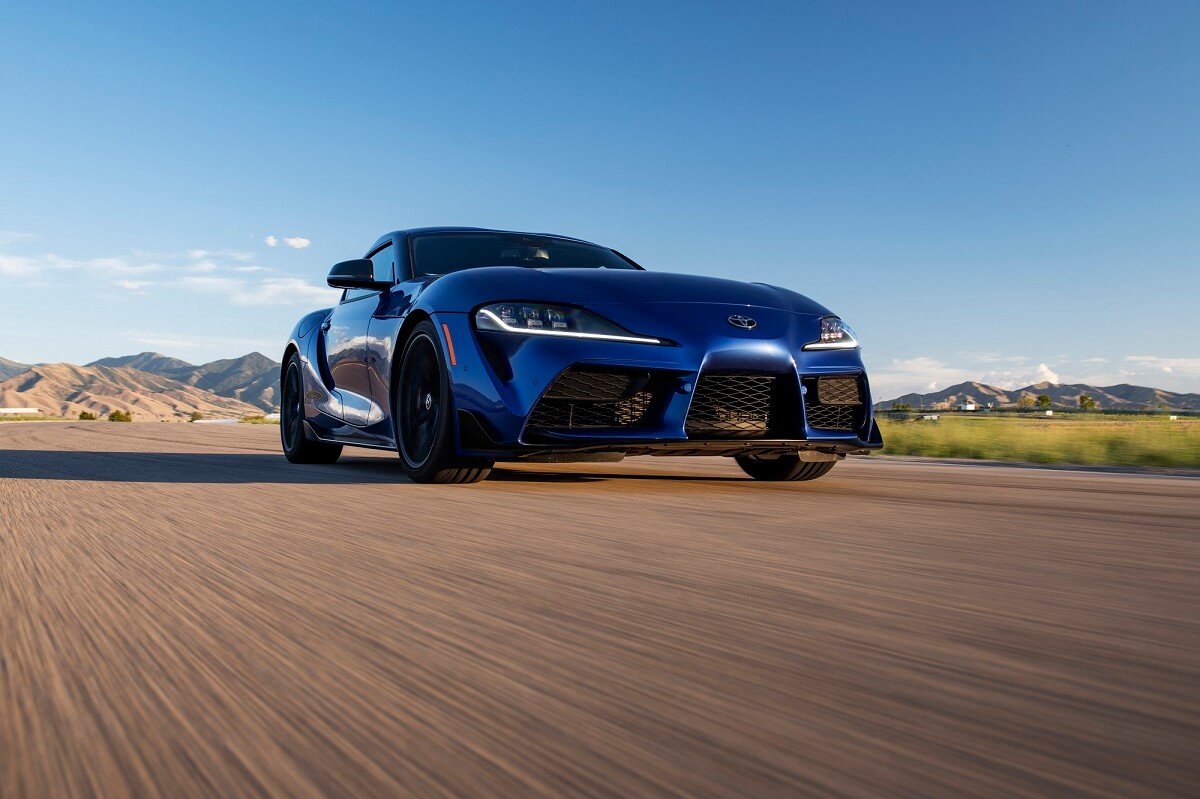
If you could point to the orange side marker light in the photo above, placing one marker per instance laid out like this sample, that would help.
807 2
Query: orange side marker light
450 344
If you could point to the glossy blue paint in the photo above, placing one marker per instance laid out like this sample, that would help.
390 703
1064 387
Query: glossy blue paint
350 354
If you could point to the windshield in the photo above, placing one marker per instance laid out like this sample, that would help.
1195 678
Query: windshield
439 253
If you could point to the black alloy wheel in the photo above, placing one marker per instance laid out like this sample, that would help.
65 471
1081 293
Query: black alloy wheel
423 415
297 448
783 467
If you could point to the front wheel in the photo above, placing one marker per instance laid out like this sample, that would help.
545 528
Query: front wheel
297 448
422 415
783 467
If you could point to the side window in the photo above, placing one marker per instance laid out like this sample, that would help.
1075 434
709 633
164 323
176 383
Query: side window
382 262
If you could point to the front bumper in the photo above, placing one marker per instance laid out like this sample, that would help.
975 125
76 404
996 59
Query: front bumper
498 380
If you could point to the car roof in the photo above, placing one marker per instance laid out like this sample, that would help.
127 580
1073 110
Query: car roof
385 238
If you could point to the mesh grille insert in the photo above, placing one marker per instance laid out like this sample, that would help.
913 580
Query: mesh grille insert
731 406
595 398
838 391
834 403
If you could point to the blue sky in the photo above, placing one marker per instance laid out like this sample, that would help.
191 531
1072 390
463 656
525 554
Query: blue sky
1001 191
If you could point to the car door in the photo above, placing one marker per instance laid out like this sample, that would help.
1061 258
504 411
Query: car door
346 342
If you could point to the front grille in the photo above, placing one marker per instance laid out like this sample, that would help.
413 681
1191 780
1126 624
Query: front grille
834 403
731 406
589 397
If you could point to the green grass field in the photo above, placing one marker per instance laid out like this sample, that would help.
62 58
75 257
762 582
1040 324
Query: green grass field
1077 438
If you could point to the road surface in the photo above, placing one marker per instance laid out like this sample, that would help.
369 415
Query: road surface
183 613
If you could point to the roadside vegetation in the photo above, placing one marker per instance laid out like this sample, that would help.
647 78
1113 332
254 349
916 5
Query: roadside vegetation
1077 438
120 416
258 420
31 418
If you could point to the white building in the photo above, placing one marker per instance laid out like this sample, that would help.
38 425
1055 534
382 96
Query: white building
19 411
967 406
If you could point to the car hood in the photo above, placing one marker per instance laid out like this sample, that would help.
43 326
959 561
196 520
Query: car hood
472 287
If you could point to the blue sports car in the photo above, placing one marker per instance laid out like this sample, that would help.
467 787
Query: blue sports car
460 347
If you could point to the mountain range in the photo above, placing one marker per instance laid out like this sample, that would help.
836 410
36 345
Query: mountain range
1063 395
11 368
150 385
252 378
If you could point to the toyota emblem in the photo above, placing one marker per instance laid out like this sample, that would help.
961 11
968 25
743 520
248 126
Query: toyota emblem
744 322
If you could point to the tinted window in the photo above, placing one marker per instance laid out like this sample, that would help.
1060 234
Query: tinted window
383 263
439 253
382 266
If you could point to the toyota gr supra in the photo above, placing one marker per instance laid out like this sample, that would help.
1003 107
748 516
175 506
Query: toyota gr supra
461 347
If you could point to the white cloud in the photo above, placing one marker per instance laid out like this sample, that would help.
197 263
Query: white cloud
165 342
211 284
14 237
135 286
159 342
297 242
271 291
251 269
271 241
17 266
287 291
1180 367
994 357
1044 374
1094 360
925 374
915 375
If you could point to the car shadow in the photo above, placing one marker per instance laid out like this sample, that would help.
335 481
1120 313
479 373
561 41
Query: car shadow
191 467
243 468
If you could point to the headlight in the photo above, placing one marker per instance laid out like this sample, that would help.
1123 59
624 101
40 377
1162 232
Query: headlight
540 319
835 335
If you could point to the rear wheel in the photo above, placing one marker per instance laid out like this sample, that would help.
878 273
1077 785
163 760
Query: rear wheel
297 448
783 467
422 413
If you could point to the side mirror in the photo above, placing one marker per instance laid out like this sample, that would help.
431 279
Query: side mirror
355 274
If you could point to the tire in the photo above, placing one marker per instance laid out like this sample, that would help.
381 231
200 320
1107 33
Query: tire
297 448
423 415
784 467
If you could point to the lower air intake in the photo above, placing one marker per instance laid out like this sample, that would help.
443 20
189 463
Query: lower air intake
731 406
583 398
834 403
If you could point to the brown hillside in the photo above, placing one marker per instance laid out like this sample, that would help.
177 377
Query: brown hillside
66 389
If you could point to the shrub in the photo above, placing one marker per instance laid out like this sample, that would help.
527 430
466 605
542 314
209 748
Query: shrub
84 416
120 416
196 416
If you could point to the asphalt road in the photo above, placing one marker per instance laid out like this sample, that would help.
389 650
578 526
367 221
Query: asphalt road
183 613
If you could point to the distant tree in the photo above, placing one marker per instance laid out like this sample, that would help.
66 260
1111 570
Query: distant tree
902 407
1086 403
196 416
84 416
1025 402
120 416
1043 400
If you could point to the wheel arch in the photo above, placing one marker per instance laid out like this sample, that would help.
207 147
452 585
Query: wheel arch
288 352
413 319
